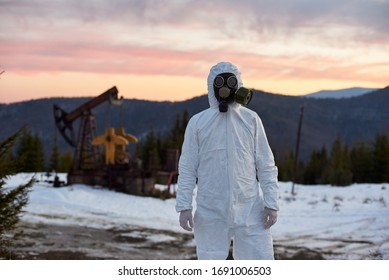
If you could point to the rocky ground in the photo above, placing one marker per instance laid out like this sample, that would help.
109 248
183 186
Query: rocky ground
57 242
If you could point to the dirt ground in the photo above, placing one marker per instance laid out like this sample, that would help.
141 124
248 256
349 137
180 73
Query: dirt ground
57 242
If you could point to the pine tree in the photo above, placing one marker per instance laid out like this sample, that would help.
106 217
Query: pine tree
24 151
30 152
315 172
285 168
174 136
149 154
38 154
184 123
340 167
361 163
381 159
55 154
11 200
65 162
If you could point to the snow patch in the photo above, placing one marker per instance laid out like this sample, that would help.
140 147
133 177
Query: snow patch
317 215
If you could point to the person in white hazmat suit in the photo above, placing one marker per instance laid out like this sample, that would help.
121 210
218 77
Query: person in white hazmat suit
225 153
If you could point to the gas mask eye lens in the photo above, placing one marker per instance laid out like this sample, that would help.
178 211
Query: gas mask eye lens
232 82
218 82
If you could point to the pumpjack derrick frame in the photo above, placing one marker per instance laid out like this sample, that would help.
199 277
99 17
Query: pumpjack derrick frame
88 167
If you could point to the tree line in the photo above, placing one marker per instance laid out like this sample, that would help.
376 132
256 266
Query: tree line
31 154
151 151
341 165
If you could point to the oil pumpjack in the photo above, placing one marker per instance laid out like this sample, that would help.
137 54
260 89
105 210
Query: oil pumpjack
117 169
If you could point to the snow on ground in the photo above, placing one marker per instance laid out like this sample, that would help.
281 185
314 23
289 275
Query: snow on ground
94 206
348 221
352 221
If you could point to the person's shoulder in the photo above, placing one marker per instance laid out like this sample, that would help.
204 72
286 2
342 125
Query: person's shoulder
196 117
249 113
248 110
204 113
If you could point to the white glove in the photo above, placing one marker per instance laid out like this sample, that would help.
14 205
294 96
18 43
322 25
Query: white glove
186 220
269 217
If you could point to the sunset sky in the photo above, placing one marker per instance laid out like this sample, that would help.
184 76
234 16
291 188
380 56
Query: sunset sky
163 50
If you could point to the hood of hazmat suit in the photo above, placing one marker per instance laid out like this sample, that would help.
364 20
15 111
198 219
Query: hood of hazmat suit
227 154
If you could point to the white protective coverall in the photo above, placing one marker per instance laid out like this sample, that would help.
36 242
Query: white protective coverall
226 153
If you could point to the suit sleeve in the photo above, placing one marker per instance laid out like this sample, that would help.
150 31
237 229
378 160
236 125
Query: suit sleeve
267 171
187 169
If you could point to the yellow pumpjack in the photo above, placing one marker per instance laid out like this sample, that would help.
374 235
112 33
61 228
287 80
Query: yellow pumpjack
115 141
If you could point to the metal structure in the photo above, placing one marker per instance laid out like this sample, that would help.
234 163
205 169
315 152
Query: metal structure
297 148
119 171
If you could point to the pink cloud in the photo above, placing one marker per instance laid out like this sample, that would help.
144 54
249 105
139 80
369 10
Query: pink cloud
68 56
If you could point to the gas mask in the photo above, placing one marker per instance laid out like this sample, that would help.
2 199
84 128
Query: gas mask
225 86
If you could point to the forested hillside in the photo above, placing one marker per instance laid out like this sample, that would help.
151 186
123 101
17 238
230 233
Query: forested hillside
352 121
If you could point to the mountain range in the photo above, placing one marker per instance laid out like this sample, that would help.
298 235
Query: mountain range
341 93
353 119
